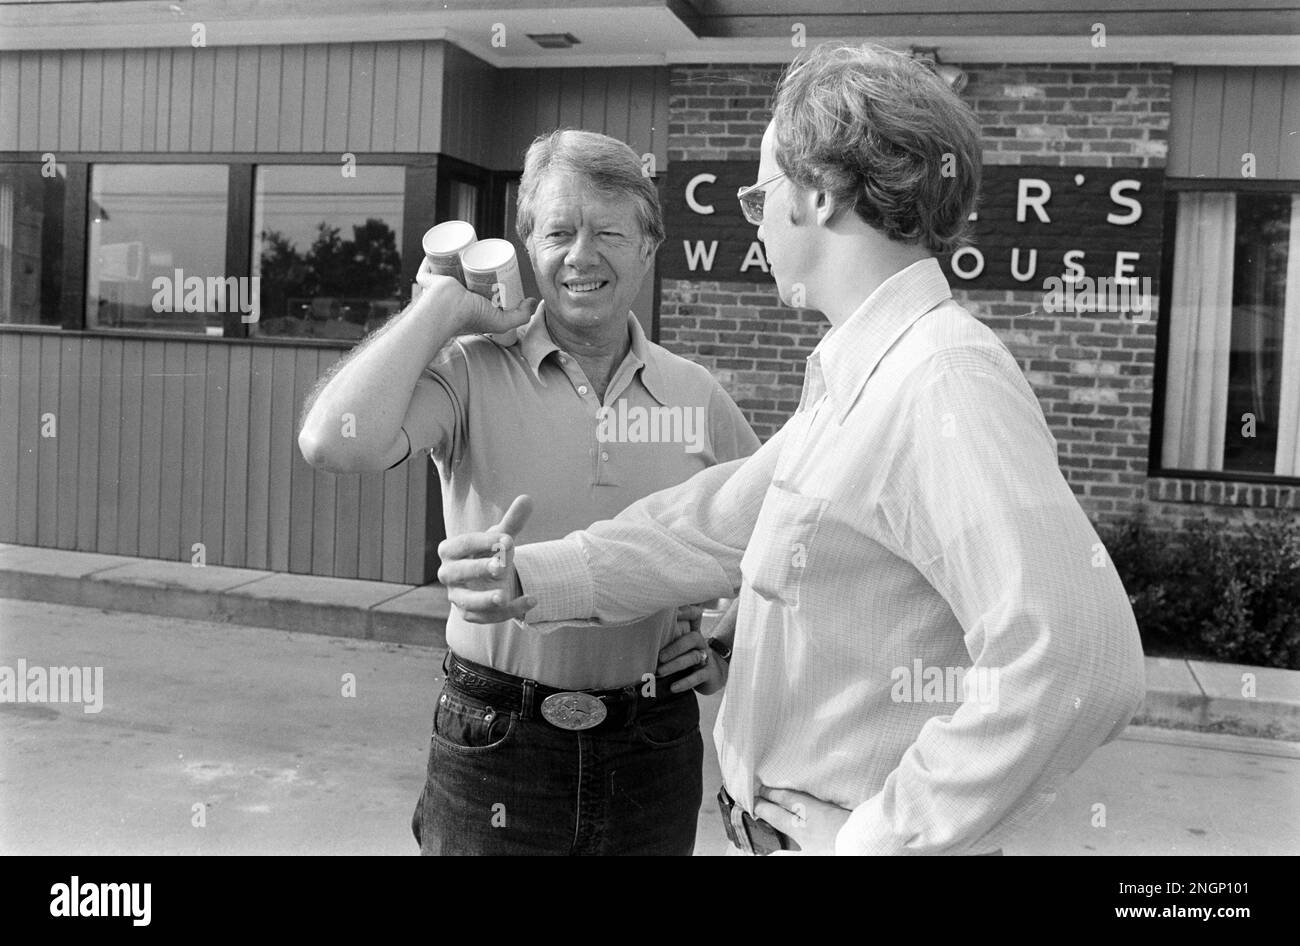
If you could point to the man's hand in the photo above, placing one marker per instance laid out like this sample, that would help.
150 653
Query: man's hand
471 313
813 823
478 569
688 618
691 649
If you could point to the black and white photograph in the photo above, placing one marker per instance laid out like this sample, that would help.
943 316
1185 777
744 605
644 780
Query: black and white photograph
667 427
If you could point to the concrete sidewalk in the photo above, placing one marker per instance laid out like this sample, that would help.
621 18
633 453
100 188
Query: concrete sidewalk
1191 694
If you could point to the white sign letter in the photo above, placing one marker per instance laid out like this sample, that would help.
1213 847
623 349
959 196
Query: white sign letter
693 183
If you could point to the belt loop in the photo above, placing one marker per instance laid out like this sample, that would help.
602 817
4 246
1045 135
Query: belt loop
530 691
446 663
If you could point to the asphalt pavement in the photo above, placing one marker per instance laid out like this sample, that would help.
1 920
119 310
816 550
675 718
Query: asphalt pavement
218 738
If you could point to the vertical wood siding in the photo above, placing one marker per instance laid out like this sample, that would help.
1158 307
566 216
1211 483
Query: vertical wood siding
159 445
425 97
630 104
1220 114
383 97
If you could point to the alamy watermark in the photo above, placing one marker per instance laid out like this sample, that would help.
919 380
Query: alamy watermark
1127 295
77 899
921 684
181 293
24 684
657 424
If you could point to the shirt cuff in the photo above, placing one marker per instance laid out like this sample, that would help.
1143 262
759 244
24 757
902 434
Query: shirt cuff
556 574
860 835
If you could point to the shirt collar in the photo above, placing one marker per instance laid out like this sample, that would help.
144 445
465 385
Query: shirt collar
535 343
847 355
642 357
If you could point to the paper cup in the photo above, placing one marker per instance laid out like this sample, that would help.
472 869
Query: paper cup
443 245
491 270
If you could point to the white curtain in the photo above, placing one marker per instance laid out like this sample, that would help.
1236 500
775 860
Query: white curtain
1200 332
1288 435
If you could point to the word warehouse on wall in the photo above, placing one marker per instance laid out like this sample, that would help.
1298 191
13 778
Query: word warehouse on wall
1033 223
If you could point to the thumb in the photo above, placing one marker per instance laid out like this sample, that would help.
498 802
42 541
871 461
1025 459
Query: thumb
513 521
520 314
498 320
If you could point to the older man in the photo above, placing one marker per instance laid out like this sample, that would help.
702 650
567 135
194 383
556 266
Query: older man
930 636
565 744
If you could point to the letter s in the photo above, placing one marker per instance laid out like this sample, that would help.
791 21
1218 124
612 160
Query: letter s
1117 195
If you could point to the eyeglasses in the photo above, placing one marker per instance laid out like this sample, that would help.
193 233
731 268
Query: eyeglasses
751 199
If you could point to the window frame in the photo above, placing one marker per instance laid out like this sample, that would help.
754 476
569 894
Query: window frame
1173 187
418 214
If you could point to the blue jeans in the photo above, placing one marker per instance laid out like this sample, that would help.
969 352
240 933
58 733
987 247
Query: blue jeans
501 784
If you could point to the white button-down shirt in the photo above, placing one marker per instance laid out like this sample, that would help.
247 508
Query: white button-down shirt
930 631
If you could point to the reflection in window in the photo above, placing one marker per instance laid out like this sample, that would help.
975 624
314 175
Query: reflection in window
157 254
327 249
1232 399
31 242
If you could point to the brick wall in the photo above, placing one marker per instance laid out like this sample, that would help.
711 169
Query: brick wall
1092 372
753 344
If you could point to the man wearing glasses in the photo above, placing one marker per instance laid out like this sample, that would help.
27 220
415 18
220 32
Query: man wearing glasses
751 198
930 636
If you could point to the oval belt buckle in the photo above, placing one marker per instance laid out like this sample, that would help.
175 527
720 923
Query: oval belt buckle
573 711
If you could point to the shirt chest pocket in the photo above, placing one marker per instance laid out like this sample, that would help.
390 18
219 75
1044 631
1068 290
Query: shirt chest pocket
781 548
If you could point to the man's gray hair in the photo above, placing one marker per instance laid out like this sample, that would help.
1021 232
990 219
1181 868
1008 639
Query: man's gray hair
613 169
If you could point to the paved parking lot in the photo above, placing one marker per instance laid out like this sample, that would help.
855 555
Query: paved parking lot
248 731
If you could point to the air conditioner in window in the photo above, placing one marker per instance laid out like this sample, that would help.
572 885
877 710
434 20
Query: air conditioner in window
121 262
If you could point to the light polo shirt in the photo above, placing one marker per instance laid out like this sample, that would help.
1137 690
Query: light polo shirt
525 419
930 632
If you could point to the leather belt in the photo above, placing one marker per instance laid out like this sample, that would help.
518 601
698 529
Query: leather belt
592 711
752 835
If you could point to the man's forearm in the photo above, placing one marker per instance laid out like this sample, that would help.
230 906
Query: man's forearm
683 543
353 420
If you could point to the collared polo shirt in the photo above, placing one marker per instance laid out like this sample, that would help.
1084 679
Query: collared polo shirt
525 419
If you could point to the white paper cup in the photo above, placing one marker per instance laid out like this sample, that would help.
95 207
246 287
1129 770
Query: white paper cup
443 245
491 270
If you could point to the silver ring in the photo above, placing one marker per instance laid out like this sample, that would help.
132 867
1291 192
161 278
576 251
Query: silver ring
704 656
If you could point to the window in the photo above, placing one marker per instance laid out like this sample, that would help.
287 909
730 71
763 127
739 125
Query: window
31 242
463 199
157 248
509 206
327 249
1232 392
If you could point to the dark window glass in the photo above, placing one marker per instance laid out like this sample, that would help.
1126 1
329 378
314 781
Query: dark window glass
31 242
1258 312
327 249
157 254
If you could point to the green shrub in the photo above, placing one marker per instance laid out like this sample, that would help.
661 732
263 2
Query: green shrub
1224 595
